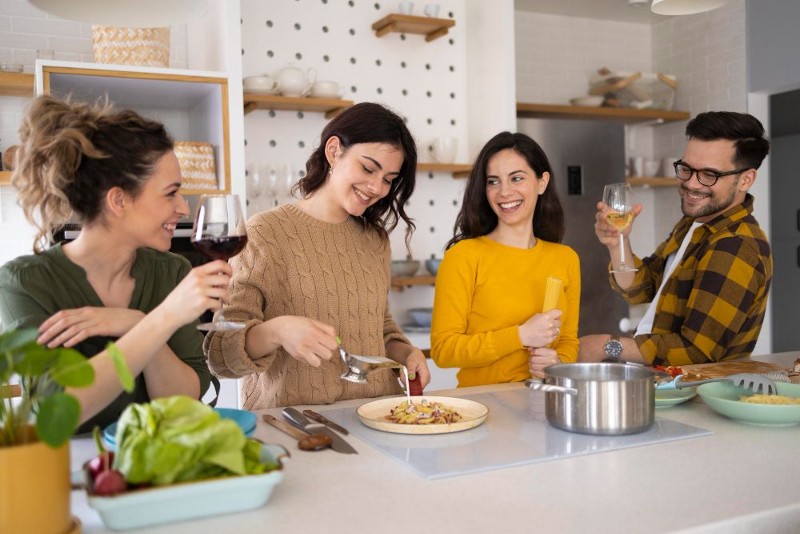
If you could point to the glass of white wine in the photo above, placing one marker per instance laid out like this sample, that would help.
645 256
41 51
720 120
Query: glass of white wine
619 215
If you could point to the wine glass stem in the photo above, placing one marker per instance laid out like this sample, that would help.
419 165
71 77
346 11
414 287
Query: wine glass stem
621 250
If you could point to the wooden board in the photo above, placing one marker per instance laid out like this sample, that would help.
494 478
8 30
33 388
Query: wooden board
719 369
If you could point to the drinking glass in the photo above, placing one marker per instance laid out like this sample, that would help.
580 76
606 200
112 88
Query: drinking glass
219 233
619 215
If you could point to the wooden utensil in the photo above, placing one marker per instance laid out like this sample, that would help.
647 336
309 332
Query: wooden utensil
305 441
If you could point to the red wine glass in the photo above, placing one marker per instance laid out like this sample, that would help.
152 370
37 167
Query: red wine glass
219 233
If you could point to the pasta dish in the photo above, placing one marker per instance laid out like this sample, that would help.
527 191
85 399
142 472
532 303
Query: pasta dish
423 413
769 399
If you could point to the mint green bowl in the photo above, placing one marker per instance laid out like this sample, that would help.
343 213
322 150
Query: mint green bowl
723 398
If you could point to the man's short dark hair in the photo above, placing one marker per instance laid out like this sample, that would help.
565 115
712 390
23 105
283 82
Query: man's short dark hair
745 130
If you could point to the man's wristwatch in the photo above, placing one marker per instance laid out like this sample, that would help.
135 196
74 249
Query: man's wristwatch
612 349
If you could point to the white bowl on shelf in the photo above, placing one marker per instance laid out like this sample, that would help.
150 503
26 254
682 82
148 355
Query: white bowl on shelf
588 101
260 84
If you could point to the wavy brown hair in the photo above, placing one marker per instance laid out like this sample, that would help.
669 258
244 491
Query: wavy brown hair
72 154
476 217
368 122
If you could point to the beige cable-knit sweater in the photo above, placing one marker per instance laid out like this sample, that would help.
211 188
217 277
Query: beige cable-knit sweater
297 265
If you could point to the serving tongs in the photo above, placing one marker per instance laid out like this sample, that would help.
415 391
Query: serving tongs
754 382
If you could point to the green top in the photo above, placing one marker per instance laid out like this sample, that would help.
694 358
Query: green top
32 288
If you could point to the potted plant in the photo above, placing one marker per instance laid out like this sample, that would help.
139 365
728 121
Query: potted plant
35 428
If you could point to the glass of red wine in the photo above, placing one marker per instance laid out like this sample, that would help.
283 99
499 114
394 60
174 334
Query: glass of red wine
219 233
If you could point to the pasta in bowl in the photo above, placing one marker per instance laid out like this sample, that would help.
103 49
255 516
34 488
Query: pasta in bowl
727 399
429 415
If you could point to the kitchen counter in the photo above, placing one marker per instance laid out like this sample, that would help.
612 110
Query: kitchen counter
741 478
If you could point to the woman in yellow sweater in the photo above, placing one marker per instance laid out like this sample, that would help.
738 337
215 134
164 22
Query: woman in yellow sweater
488 314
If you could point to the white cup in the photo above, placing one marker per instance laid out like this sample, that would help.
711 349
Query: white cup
444 149
637 166
325 89
432 10
406 7
651 167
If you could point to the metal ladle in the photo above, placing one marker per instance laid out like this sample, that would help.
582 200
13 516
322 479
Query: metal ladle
305 441
359 366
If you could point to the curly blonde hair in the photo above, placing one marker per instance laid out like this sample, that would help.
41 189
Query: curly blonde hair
71 154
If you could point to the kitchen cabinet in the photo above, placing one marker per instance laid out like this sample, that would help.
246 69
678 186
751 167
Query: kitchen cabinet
193 105
431 28
330 106
14 84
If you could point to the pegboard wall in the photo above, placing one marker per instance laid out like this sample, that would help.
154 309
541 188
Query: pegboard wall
424 82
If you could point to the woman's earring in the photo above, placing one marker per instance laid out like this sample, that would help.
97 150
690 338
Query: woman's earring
330 171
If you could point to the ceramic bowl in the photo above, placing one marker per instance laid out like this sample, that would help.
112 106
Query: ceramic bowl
260 84
724 398
588 101
421 316
432 265
405 267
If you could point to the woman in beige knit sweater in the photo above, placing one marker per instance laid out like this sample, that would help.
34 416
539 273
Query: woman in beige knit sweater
319 268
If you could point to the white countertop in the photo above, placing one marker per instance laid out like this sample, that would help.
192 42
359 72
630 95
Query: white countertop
741 478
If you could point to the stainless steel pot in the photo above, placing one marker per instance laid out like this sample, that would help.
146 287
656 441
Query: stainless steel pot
607 399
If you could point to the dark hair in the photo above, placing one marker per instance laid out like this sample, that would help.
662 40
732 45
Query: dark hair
72 154
368 122
747 131
477 218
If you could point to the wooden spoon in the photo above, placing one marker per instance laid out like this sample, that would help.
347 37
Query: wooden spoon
305 441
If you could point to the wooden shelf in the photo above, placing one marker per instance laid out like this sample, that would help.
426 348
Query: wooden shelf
431 28
5 177
16 84
652 181
459 170
330 106
399 283
528 110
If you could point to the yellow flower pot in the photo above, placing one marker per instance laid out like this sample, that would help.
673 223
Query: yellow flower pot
35 488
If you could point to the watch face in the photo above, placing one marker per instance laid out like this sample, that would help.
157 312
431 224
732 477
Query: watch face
613 348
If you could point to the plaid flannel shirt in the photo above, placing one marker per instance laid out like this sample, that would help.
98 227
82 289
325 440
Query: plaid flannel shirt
713 304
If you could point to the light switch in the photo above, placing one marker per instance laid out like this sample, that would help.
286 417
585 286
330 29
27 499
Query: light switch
574 180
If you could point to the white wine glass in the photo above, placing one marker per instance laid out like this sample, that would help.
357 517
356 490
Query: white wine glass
219 233
619 200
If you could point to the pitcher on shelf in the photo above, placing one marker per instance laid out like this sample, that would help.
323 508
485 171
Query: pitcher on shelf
292 81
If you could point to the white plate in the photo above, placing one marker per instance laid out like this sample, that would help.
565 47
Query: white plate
673 397
373 414
188 500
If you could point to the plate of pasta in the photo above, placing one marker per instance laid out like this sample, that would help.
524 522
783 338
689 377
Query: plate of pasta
743 405
426 415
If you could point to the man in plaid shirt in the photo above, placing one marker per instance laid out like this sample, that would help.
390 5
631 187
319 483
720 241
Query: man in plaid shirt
707 284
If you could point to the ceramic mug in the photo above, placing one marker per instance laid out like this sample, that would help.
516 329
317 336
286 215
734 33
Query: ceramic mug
406 7
432 10
444 149
260 84
326 89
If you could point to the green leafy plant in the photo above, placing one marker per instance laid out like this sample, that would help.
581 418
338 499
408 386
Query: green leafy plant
43 374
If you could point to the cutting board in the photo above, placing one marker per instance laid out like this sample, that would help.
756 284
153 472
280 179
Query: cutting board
720 369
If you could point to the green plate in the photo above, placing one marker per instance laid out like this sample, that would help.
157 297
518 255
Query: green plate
671 397
723 398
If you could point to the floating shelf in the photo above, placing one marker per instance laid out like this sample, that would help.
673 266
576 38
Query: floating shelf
16 84
528 110
431 28
399 283
330 106
652 181
459 170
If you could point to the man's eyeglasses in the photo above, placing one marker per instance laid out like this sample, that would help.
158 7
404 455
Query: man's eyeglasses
706 177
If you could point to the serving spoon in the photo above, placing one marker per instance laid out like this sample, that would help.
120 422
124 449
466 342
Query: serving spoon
305 441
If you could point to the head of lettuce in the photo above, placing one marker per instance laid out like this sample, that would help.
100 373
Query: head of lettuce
178 439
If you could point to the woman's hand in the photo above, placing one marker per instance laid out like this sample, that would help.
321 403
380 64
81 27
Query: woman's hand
417 364
541 329
541 358
204 288
306 340
69 327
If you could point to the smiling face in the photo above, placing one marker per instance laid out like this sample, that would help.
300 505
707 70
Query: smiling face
360 176
704 203
151 217
512 188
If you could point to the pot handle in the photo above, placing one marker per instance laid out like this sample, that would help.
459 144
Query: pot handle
541 386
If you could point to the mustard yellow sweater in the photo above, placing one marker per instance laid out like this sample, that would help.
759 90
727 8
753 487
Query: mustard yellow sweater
296 265
484 291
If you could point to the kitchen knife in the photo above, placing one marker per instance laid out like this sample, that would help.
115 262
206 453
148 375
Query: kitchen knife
319 418
301 421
